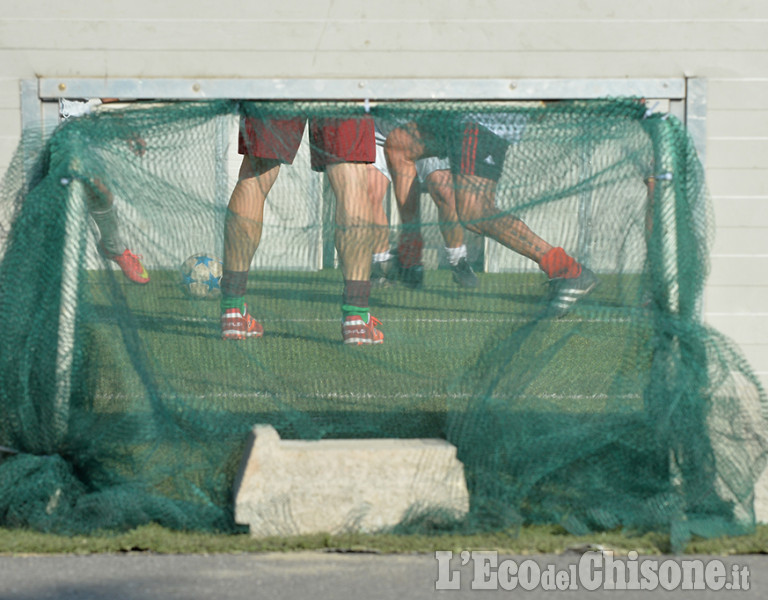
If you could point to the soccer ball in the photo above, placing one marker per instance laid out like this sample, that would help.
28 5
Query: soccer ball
201 275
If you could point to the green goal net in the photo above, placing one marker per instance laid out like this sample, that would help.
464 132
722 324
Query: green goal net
537 271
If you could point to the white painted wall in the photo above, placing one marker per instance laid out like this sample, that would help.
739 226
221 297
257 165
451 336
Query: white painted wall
725 42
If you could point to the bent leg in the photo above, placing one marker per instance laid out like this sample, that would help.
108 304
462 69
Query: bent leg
402 148
476 208
102 210
377 189
440 187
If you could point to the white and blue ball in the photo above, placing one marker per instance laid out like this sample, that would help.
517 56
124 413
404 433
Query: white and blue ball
201 276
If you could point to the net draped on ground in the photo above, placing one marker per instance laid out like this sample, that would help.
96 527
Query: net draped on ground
124 406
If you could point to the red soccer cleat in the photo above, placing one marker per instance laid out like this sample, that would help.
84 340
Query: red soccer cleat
356 331
239 326
129 263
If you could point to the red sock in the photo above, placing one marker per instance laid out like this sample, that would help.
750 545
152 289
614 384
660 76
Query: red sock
356 293
556 263
409 249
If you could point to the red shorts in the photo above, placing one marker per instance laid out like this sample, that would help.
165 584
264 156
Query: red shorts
332 141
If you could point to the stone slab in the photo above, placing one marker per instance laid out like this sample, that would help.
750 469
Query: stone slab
290 487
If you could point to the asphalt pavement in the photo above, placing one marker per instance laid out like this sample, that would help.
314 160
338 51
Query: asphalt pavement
334 576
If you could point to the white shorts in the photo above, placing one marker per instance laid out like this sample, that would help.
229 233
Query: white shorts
426 166
381 162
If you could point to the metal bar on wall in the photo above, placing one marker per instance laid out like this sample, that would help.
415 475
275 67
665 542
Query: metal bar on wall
360 89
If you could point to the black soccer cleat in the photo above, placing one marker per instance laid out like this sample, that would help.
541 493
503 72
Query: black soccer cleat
463 274
565 293
412 276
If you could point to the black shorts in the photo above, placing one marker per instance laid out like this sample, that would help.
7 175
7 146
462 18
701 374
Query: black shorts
471 148
477 151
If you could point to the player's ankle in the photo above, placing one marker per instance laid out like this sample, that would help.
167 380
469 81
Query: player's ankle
348 310
556 263
230 302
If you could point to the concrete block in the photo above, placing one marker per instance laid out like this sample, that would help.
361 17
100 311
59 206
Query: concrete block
290 487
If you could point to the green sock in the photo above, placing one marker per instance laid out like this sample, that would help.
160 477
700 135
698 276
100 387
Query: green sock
228 302
348 309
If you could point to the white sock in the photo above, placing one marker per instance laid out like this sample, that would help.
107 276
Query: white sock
382 256
456 254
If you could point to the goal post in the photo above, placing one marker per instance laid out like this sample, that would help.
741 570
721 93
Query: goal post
682 97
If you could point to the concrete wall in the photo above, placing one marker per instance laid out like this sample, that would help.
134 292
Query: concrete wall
724 42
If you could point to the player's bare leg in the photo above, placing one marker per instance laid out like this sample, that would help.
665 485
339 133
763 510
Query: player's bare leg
245 212
476 207
377 190
101 206
402 149
440 187
242 235
354 236
354 242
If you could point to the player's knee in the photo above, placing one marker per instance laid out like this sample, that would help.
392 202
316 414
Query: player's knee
401 146
254 166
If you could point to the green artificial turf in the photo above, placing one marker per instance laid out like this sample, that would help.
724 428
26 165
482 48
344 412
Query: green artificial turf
442 345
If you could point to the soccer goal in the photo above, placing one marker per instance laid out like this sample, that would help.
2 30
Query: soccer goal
535 252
